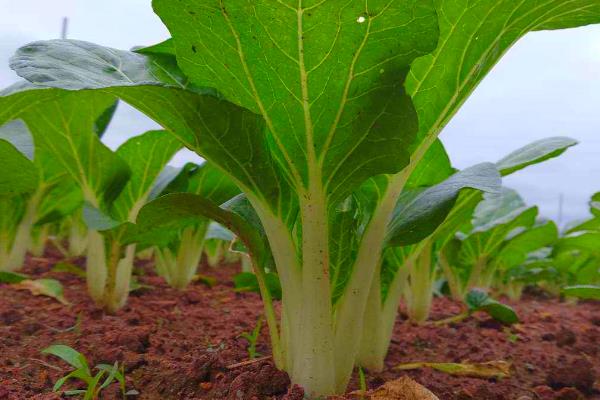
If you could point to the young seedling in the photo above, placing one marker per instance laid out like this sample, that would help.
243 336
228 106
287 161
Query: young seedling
94 384
252 338
479 300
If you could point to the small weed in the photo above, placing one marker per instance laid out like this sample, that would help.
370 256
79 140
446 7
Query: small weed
106 374
252 338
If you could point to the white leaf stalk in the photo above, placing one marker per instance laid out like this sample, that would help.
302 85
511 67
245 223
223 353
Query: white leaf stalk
215 252
39 237
418 290
77 236
179 267
13 252
109 267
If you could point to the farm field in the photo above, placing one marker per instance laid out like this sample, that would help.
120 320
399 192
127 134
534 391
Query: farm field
321 242
188 345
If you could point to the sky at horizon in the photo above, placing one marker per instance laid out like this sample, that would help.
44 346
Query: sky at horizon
547 85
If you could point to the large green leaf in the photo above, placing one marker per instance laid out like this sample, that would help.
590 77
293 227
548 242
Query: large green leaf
534 153
205 180
419 212
474 35
327 77
433 168
175 211
231 137
211 183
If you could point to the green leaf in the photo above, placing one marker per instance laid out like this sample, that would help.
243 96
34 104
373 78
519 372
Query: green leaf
92 67
166 47
219 232
167 178
19 175
497 209
113 373
344 238
588 241
434 167
176 211
12 277
69 268
68 354
420 211
516 250
63 199
473 38
232 137
102 122
583 292
62 125
146 155
16 133
595 205
534 153
479 300
97 220
335 84
592 224
247 282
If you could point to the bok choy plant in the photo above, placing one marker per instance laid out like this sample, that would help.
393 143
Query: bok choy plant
178 259
29 179
575 257
109 273
504 233
115 185
319 111
410 271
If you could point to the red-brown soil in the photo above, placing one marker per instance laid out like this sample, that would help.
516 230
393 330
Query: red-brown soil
185 345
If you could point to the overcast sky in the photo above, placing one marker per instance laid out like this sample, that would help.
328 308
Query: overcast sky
547 85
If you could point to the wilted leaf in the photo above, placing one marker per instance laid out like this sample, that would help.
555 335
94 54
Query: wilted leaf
492 369
44 287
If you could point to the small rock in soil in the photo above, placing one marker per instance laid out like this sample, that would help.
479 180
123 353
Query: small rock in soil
294 393
577 373
491 323
569 394
10 317
543 393
566 337
267 381
548 337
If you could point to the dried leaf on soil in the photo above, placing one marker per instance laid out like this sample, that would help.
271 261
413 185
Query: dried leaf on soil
402 389
44 287
492 369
